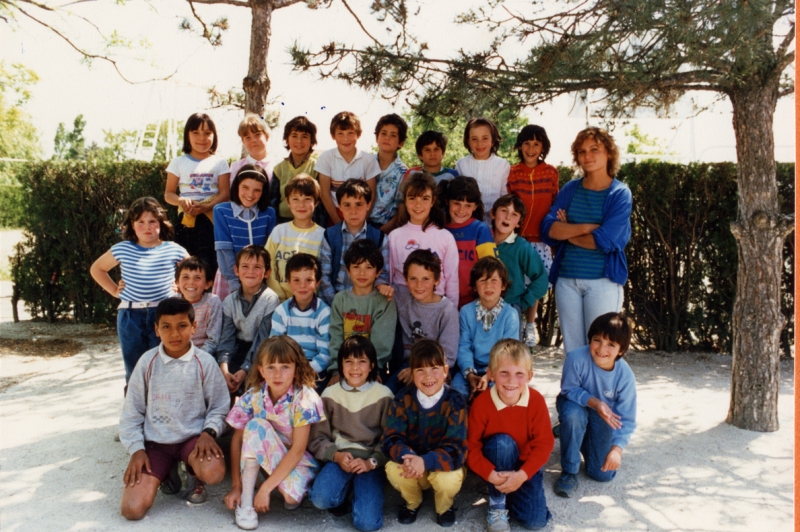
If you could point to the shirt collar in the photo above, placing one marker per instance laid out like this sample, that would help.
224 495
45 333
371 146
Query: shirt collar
312 306
361 231
429 401
488 317
363 388
357 156
252 160
511 238
257 295
499 404
238 210
166 359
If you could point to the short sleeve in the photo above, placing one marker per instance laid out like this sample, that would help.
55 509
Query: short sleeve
242 411
307 408
222 167
323 164
174 166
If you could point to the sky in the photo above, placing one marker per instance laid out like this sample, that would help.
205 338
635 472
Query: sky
69 87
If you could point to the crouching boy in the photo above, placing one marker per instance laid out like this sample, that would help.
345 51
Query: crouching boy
510 439
176 405
597 404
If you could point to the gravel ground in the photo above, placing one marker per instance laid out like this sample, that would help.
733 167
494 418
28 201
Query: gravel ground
685 469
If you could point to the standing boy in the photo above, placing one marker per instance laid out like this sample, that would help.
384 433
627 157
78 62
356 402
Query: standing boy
425 437
343 162
355 201
430 147
300 137
175 406
390 134
510 439
597 404
301 235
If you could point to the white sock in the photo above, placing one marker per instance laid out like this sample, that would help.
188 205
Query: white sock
249 477
530 327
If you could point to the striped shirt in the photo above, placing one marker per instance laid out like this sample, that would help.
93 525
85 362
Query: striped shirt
578 262
148 272
309 327
284 241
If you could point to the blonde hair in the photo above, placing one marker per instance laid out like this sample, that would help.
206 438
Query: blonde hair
283 350
253 123
513 350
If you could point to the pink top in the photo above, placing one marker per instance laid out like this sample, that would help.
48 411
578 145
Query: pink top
266 164
410 237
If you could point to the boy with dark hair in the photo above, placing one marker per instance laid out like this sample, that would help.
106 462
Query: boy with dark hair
390 135
343 162
300 137
483 323
355 199
431 146
425 437
597 404
191 274
174 408
304 316
362 310
301 235
246 316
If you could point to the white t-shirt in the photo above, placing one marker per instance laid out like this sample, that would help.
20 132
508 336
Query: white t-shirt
491 175
331 163
198 180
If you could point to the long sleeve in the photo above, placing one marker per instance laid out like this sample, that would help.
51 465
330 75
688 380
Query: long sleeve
131 422
223 244
533 267
326 289
227 338
510 324
383 277
264 331
452 448
336 330
383 331
321 441
562 202
394 443
272 280
449 334
217 397
466 347
540 445
214 327
322 359
614 232
625 407
450 268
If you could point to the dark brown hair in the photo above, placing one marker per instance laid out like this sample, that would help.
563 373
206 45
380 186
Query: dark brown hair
302 124
256 173
425 258
461 188
303 261
193 264
357 346
616 327
416 184
354 188
426 353
302 184
514 200
476 122
344 121
251 251
430 137
283 350
172 306
486 267
396 121
363 250
532 132
137 209
193 124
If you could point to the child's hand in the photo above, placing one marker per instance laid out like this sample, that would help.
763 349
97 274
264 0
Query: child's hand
513 480
120 287
344 460
613 459
233 498
483 383
604 411
240 376
186 204
473 380
261 502
133 474
561 214
206 448
359 465
405 376
231 381
386 291
413 466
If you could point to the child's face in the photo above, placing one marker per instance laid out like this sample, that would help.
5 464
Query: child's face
147 229
461 211
346 139
506 219
299 143
278 376
251 272
302 207
419 206
421 283
363 276
431 156
510 380
356 370
389 139
255 142
490 289
175 333
531 150
250 192
354 211
604 352
201 140
430 379
192 284
303 284
480 142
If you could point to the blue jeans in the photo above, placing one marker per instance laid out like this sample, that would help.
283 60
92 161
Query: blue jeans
527 505
136 329
584 432
332 485
579 302
460 384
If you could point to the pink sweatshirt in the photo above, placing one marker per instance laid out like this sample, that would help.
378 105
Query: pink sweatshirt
410 237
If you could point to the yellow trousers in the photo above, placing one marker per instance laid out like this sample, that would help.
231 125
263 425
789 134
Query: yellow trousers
445 484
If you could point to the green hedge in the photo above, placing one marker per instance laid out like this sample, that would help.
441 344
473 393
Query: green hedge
11 206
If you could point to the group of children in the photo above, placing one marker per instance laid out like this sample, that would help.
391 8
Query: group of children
303 315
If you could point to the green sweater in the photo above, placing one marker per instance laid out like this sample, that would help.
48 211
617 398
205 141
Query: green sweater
371 315
521 259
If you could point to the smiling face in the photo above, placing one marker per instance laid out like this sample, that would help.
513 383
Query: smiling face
430 379
302 207
147 229
480 142
419 206
175 333
255 142
604 352
299 143
251 272
346 140
201 140
506 220
431 157
356 370
422 283
490 289
250 192
192 284
278 376
363 276
303 284
593 158
388 139
354 212
531 150
461 211
510 380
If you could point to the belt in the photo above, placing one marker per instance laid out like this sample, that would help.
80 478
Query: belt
126 305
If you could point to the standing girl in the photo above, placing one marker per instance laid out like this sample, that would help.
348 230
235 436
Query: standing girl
589 226
246 220
273 420
482 140
464 213
148 261
196 181
421 227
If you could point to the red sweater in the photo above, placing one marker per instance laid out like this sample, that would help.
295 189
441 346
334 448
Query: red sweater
527 422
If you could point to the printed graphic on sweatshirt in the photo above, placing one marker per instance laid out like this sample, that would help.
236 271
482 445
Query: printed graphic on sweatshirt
355 323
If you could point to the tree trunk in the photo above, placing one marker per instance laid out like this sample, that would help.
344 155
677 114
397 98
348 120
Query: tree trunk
760 231
256 83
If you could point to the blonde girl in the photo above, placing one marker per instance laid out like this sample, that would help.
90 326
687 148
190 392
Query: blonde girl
422 227
273 421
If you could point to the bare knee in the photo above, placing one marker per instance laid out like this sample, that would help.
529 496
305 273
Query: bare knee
212 472
134 509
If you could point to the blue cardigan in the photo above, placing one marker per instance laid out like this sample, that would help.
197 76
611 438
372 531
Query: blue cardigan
231 234
474 344
611 237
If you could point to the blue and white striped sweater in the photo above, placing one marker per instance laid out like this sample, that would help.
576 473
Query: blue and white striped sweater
148 272
310 328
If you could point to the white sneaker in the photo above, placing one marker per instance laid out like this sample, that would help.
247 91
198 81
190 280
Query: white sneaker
246 518
531 336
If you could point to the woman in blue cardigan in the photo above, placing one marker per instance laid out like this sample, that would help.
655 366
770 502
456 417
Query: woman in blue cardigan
589 226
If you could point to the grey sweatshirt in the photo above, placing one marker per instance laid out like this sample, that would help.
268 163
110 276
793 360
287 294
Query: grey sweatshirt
436 321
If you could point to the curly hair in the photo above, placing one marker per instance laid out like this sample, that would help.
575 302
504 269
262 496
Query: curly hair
283 350
603 137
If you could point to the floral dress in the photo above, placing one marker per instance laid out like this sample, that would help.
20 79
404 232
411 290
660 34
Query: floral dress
268 432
